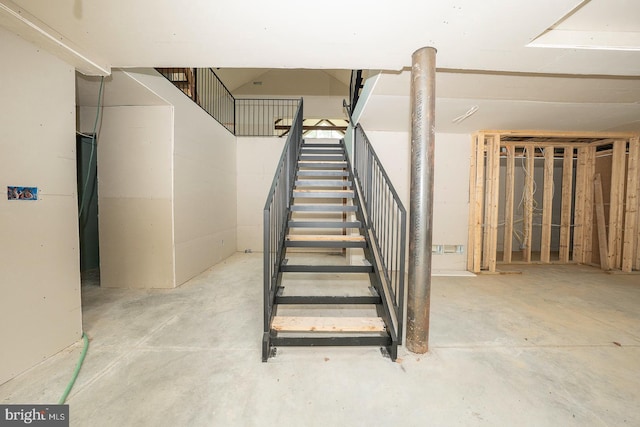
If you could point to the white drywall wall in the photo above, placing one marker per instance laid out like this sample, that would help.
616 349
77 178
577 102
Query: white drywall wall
135 156
451 186
204 181
40 311
204 190
257 160
195 167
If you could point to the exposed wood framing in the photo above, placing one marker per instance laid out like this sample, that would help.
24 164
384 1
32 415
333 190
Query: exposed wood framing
479 198
527 206
618 241
494 191
508 204
588 214
565 214
583 229
637 244
472 204
631 231
547 206
581 189
562 134
602 231
616 203
487 141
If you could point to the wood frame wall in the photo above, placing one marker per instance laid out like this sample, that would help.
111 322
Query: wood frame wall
618 242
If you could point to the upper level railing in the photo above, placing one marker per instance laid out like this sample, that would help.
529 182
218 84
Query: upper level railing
241 116
276 212
385 217
265 117
355 87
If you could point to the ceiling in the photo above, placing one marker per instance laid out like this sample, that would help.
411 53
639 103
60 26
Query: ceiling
607 25
508 101
469 34
552 64
236 78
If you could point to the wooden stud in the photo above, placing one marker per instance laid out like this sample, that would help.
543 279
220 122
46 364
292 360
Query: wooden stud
565 213
489 172
472 203
616 200
637 244
494 202
589 205
479 197
547 206
631 212
528 203
602 232
581 189
508 204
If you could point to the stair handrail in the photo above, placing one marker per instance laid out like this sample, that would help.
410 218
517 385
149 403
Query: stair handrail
385 216
275 215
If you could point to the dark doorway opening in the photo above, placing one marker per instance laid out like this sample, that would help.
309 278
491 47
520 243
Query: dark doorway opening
88 205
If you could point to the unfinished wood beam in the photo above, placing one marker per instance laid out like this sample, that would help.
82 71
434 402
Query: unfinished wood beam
588 202
494 201
602 232
581 189
488 185
478 209
637 243
616 203
527 206
472 203
631 211
507 244
565 212
561 134
547 206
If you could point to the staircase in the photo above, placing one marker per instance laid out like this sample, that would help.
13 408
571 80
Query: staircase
313 295
183 78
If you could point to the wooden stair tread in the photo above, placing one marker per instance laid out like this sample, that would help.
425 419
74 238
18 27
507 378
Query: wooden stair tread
327 324
323 238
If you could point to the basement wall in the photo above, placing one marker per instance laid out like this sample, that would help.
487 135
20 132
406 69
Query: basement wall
322 92
204 189
190 157
257 160
451 192
40 311
135 197
193 158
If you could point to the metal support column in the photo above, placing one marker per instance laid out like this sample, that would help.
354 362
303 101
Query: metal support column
423 76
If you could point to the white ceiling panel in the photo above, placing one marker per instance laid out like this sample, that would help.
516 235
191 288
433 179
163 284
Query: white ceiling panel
469 34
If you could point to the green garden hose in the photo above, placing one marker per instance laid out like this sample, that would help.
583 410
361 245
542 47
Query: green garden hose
76 371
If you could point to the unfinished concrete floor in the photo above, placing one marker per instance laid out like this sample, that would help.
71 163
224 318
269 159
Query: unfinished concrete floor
554 346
